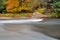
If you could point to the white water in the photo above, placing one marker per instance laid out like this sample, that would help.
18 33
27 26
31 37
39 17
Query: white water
21 21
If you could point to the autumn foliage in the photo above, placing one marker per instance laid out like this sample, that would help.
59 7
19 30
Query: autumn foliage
15 6
11 5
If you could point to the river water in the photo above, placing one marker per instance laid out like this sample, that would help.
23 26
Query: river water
48 29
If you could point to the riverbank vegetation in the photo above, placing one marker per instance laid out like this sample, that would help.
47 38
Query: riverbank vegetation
51 7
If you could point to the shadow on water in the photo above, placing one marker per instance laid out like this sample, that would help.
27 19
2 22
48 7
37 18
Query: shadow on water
52 31
50 27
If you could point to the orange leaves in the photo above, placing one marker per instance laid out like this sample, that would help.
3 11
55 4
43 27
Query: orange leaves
11 5
14 5
25 7
29 15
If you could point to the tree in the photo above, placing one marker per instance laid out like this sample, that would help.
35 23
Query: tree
11 5
2 6
18 5
56 7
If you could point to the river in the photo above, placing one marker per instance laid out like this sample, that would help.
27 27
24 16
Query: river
48 29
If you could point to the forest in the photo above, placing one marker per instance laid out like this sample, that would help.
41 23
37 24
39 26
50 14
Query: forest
48 7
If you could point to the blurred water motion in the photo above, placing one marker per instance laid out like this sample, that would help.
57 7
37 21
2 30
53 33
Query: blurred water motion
21 32
21 21
31 31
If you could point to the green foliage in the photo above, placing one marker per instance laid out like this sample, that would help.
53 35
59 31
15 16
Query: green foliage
54 1
56 7
2 6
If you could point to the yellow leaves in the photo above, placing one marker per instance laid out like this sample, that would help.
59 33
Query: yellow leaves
9 10
19 8
22 8
25 7
8 7
40 10
12 5
14 10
